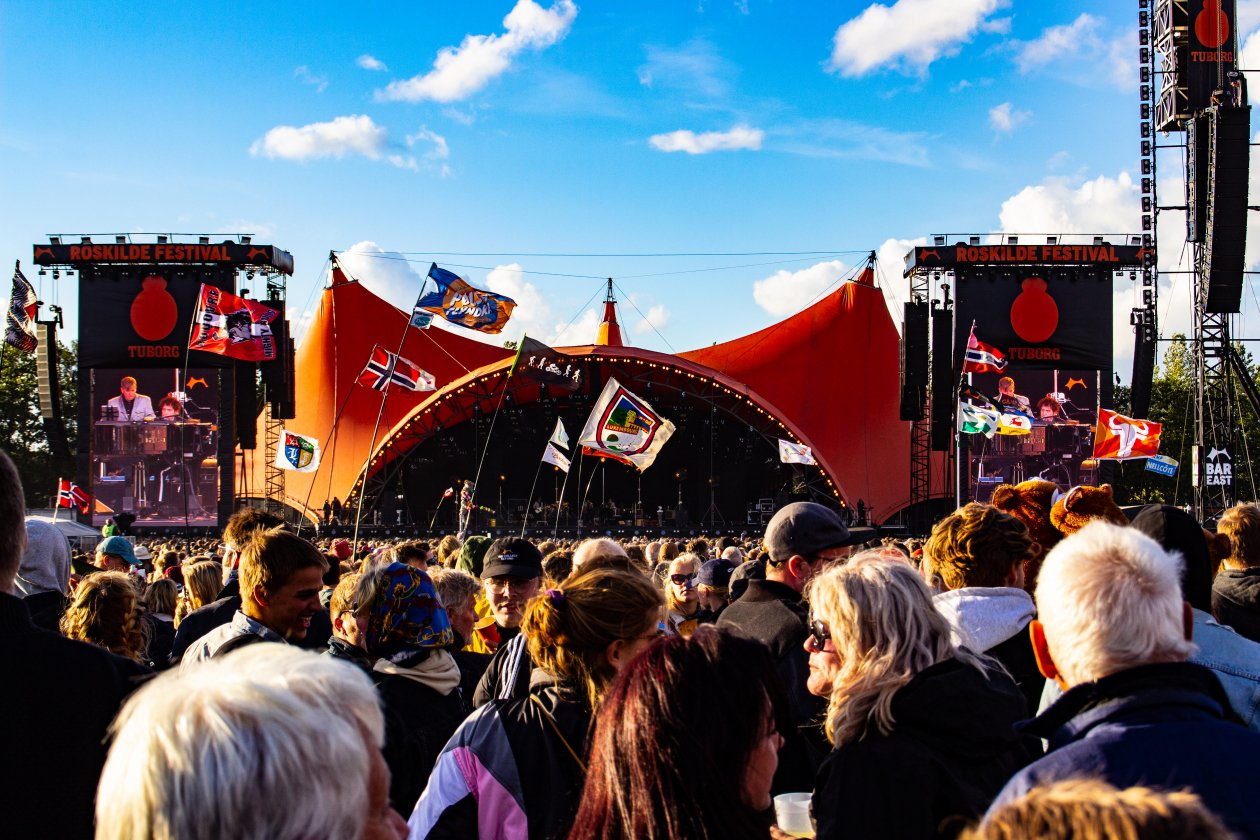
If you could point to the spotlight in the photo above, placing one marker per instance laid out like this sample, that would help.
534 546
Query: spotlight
1052 240
938 240
245 240
162 238
1098 240
85 240
56 240
120 240
1012 240
973 240
203 240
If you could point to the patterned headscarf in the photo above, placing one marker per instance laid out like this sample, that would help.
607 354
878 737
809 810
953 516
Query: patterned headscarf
406 619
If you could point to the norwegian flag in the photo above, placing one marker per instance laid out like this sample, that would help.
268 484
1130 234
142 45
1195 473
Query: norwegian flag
19 323
386 368
981 357
70 494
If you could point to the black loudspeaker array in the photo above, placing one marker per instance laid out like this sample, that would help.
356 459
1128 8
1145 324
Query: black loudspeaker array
277 376
942 379
914 360
1197 178
245 375
1225 239
50 390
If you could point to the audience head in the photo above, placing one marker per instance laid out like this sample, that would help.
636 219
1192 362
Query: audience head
235 746
557 566
686 742
584 631
281 576
448 550
1241 524
1089 809
45 565
160 597
801 538
116 554
511 575
1177 531
202 583
1101 572
598 547
457 590
713 582
347 616
978 545
12 516
681 594
405 619
874 627
240 527
471 555
105 611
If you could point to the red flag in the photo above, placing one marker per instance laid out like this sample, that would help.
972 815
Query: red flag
233 326
64 499
981 357
1121 438
386 368
450 491
70 494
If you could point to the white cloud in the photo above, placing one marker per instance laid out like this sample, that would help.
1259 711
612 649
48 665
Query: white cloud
371 62
739 137
1005 118
351 135
387 274
303 74
786 292
459 72
834 138
1081 51
440 152
654 320
581 331
1068 205
909 35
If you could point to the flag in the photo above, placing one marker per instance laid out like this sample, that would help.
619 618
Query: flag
560 437
538 361
297 452
625 427
420 318
974 419
1014 423
70 494
19 323
981 357
551 455
461 303
386 368
233 326
795 453
448 492
1121 438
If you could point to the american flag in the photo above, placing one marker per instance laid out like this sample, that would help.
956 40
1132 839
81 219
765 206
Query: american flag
386 368
19 323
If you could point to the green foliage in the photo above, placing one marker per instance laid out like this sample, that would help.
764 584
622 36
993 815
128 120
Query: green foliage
22 433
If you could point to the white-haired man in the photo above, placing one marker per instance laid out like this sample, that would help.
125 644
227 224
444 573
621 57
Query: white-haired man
175 769
1113 630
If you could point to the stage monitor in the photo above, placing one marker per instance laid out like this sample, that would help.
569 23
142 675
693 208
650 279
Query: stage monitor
153 451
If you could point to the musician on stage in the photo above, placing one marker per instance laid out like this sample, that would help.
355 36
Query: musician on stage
1049 410
129 405
170 411
1007 397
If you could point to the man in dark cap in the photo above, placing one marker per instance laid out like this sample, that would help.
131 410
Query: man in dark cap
800 539
712 582
511 574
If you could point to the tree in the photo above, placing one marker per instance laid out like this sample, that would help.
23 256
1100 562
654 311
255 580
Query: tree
22 433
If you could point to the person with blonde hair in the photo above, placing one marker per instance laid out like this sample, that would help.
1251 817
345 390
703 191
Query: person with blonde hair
682 597
1087 809
202 582
515 767
235 748
1113 631
105 612
922 729
1236 588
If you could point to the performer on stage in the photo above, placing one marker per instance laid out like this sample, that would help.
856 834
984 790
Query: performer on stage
1049 410
170 411
129 405
1008 398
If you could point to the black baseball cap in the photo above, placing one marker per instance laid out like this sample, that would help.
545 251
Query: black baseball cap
806 528
512 558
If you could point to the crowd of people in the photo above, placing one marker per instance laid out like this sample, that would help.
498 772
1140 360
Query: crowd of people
1081 671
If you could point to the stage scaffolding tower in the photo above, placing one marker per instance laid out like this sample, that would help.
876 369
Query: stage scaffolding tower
273 476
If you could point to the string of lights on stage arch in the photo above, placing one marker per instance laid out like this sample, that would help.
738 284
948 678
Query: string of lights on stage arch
439 398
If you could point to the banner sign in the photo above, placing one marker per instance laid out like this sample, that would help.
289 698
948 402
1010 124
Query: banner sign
1038 317
1114 257
1162 464
223 253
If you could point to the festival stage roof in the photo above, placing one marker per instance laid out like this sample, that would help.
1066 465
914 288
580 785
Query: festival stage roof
826 377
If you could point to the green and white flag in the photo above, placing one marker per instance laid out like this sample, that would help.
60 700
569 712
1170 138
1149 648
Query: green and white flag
973 420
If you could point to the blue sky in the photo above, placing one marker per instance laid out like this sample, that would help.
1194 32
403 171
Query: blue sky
507 131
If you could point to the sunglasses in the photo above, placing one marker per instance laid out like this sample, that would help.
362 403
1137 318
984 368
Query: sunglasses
819 635
682 580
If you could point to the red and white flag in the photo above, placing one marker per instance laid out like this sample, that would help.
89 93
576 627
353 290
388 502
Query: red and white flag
981 357
70 494
1120 438
228 325
386 368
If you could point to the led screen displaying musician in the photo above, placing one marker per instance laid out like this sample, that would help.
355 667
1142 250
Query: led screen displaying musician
153 445
1044 430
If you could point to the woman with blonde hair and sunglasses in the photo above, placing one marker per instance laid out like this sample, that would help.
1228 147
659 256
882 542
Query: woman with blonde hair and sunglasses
922 730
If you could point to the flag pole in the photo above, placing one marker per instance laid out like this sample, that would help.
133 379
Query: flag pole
581 458
57 507
310 488
433 521
530 501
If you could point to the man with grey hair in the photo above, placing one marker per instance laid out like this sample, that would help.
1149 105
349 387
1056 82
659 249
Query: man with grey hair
175 769
1113 630
59 698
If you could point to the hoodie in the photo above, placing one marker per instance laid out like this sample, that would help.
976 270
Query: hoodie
44 574
1236 601
995 621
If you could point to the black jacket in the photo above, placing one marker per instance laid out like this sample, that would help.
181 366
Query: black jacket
418 723
1236 601
951 749
60 697
201 621
506 673
776 615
